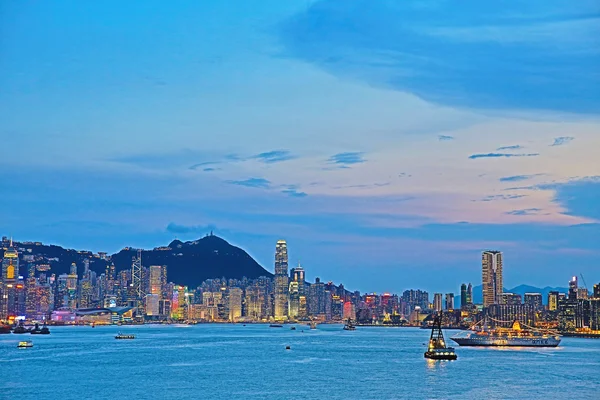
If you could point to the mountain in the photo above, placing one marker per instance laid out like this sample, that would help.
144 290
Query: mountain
188 263
191 263
521 289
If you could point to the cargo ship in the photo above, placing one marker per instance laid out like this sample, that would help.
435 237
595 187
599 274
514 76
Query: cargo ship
514 336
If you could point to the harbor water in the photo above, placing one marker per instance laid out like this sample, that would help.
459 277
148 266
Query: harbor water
214 361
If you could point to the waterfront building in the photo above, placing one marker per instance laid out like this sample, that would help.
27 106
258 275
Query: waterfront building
449 301
156 280
235 304
573 288
491 272
596 292
437 302
470 294
281 281
463 295
152 305
8 283
506 314
510 299
553 301
255 302
349 311
595 313
316 297
534 300
294 300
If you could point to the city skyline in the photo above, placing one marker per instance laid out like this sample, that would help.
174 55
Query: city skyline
271 119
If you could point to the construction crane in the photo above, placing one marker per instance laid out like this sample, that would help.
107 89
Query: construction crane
583 280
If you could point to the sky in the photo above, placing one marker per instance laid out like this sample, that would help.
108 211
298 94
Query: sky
388 142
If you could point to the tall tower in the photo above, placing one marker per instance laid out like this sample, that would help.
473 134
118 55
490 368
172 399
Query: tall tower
491 273
463 295
281 280
136 282
8 282
470 294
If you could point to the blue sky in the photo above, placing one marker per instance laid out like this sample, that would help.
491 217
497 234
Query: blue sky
389 142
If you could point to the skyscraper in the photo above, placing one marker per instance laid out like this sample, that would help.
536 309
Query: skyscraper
235 303
470 294
553 301
437 302
573 288
281 280
449 301
8 283
463 295
491 272
156 280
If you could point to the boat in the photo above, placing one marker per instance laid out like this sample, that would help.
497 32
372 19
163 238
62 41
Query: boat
275 326
25 344
516 335
293 328
20 329
313 325
349 326
44 330
36 330
4 328
436 348
123 336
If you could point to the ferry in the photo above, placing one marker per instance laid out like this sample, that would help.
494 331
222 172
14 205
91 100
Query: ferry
25 344
349 326
514 336
437 349
123 336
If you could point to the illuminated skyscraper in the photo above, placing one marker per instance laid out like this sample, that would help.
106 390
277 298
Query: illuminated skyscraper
156 280
281 280
136 283
470 294
491 272
235 303
10 275
553 301
573 288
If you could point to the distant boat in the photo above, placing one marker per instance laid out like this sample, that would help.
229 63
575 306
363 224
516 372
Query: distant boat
25 344
20 329
123 336
349 326
437 349
293 328
313 325
275 326
36 330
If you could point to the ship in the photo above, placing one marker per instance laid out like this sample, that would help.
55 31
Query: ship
349 326
25 344
436 348
312 325
515 336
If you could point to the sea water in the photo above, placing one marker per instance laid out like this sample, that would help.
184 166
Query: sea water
223 361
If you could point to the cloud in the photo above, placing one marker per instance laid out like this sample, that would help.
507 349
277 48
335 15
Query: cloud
525 211
500 155
274 156
202 164
517 178
293 193
559 141
404 175
184 229
260 183
345 159
363 186
443 138
476 54
513 147
210 169
502 197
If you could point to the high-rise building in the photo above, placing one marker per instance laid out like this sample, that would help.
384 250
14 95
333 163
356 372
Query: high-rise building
470 294
235 303
463 295
553 301
152 305
596 291
281 281
510 299
534 300
449 301
573 288
491 273
136 283
156 280
437 302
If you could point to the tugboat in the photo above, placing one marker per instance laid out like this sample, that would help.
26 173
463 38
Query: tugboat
123 336
349 326
437 349
25 344
293 328
36 330
20 329
44 330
